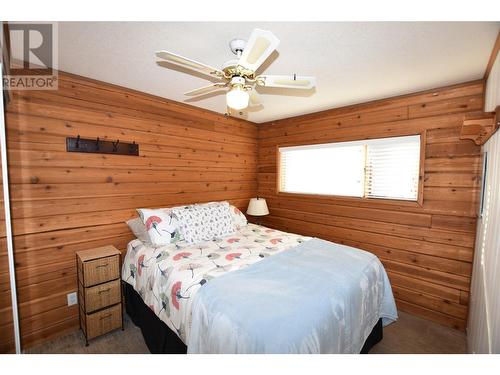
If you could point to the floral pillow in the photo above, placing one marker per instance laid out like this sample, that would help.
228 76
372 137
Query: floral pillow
161 224
205 222
139 229
238 217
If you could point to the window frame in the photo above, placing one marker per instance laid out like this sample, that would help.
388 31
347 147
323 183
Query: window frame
401 202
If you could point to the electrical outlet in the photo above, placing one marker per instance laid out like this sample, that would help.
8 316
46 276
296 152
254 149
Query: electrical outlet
72 299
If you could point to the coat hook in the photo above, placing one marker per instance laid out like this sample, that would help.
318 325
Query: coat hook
115 145
78 141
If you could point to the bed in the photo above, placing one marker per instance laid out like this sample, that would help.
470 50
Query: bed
208 297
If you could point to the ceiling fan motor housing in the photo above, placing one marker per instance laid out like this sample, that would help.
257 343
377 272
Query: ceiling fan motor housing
230 64
232 69
237 81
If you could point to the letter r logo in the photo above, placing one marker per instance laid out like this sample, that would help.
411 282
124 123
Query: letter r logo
33 43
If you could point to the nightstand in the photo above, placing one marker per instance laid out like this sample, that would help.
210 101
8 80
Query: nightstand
99 291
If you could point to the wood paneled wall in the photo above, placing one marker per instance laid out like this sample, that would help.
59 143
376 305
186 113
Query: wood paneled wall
64 202
427 250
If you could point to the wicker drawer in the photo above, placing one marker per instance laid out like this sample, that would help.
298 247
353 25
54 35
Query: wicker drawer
99 291
103 321
101 270
97 297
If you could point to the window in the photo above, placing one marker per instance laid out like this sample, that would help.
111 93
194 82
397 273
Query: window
378 168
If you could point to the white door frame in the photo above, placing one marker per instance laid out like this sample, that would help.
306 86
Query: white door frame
8 223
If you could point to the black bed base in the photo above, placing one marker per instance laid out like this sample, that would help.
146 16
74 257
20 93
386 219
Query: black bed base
158 337
161 339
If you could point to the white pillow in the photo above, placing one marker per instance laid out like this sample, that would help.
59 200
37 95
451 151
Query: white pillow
139 229
205 222
238 217
161 225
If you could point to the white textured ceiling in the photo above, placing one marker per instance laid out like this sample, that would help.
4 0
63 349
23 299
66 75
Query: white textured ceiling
353 62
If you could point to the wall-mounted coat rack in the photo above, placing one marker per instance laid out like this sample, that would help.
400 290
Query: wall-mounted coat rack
96 146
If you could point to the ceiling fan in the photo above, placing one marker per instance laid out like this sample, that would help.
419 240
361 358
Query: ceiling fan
239 74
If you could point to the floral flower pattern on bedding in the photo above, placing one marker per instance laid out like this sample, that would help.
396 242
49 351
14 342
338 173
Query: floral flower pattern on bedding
161 225
168 277
238 217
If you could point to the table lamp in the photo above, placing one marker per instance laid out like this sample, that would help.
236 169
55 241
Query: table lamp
257 207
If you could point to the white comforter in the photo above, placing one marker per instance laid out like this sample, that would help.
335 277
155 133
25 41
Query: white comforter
319 297
168 277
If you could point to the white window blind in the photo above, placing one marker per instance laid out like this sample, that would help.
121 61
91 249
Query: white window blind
378 168
392 168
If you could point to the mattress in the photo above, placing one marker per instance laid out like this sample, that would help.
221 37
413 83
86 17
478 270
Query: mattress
168 277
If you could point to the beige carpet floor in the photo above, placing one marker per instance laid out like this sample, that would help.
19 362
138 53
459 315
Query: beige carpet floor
409 335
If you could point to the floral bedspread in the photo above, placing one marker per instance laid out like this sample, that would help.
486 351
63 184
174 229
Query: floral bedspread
168 277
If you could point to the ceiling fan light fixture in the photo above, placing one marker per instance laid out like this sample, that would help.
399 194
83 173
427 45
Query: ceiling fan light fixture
237 98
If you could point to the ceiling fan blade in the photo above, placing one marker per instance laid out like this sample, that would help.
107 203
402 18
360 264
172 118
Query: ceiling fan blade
188 63
287 81
255 98
205 89
259 46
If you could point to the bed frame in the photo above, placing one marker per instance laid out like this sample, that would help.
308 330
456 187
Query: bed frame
161 339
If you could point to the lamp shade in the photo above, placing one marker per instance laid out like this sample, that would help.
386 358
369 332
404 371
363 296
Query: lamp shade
257 207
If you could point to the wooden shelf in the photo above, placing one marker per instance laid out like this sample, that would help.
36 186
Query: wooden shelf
479 128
